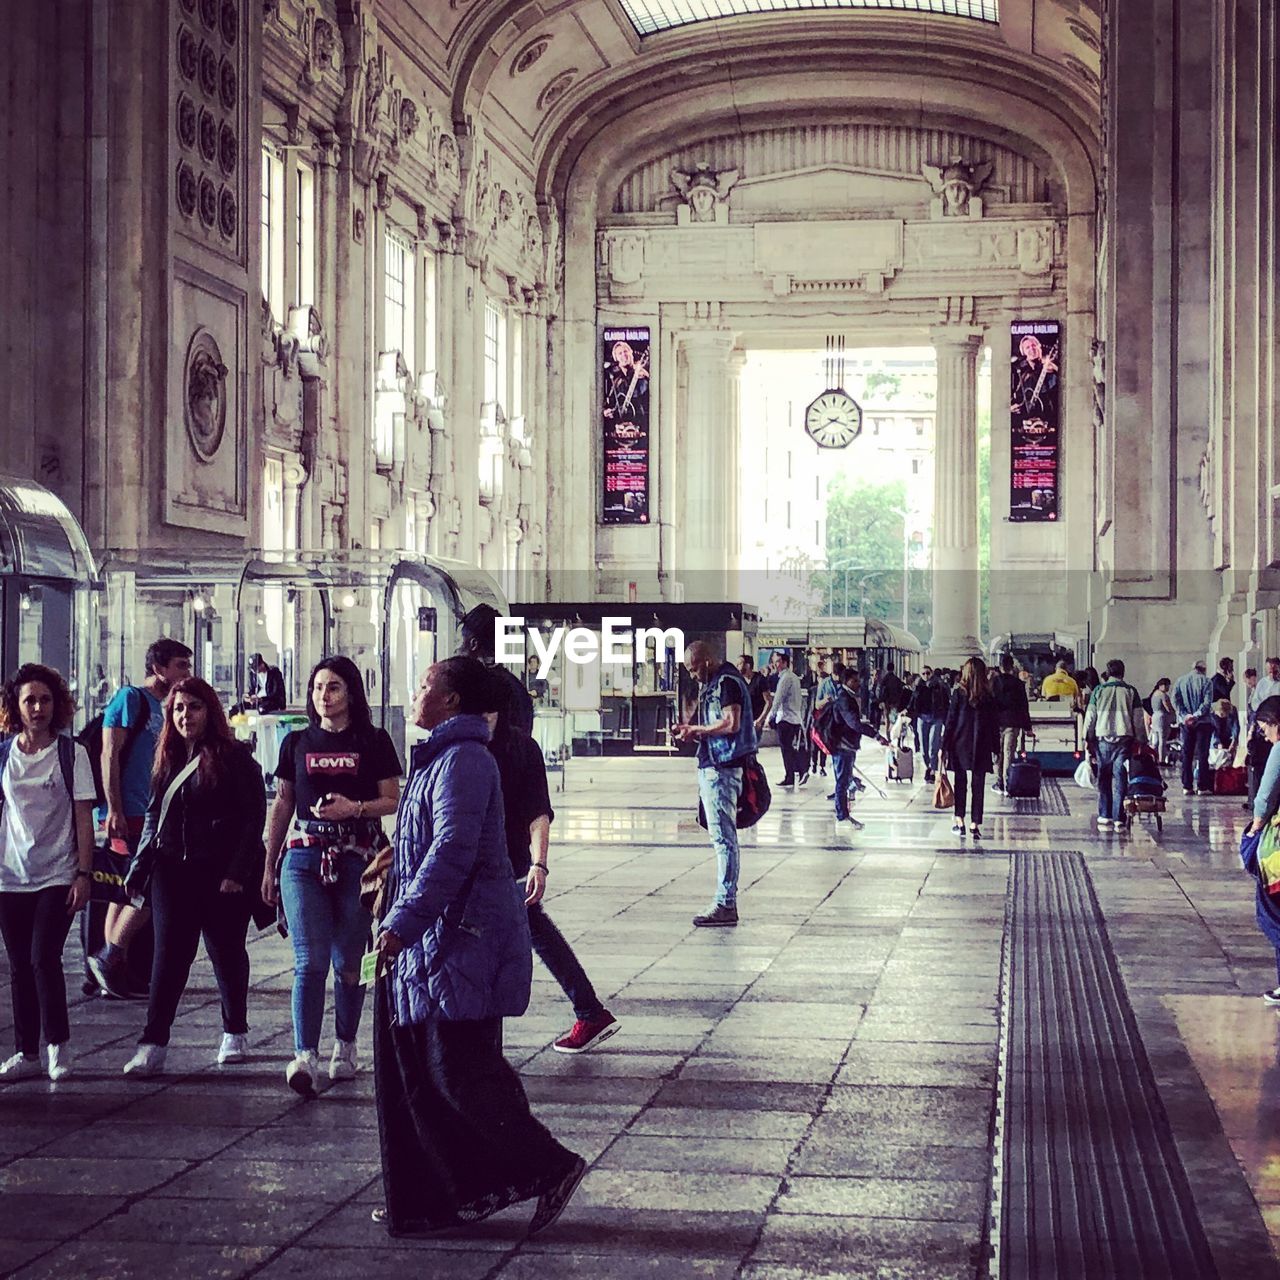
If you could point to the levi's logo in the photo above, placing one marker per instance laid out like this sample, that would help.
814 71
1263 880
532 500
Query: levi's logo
333 761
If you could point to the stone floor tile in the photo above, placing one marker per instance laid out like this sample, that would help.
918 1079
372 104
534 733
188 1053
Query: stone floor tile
695 1192
330 1263
697 1155
226 1178
74 1176
264 1220
102 1260
929 1200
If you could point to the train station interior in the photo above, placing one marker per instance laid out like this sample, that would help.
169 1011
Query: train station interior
893 332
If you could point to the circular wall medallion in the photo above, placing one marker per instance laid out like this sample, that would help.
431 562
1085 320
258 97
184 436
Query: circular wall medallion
227 213
529 55
188 53
208 203
186 121
230 21
208 70
186 189
204 384
208 135
228 150
556 89
227 83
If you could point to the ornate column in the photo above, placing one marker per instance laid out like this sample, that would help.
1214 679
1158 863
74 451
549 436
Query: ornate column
956 610
733 455
710 474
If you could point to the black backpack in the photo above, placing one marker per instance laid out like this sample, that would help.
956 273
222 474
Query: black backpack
90 738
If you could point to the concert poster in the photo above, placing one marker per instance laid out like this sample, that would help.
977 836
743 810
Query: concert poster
1035 397
624 420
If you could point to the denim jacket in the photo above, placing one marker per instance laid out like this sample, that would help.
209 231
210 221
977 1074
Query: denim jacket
718 752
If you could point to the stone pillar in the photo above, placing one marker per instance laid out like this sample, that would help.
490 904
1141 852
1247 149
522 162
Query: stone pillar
709 473
733 469
956 608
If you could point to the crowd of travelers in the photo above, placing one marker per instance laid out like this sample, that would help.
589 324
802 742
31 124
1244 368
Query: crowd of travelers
450 914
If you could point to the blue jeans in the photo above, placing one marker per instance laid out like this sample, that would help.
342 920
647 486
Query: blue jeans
719 790
1113 778
930 741
843 762
1196 739
327 926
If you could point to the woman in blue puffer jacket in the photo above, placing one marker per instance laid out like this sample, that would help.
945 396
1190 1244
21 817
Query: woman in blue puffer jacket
458 1140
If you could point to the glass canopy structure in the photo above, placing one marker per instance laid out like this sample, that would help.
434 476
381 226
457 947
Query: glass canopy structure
650 16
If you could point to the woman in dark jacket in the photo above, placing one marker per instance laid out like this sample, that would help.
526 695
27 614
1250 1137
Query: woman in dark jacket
458 1140
199 863
970 738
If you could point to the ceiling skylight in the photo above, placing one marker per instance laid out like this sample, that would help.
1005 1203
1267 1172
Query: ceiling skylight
649 16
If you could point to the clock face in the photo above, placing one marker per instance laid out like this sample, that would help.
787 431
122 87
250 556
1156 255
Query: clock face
834 419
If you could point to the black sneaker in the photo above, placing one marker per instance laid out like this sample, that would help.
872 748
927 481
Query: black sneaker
551 1204
111 972
718 917
787 782
804 777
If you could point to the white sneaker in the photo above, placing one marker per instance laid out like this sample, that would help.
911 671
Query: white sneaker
19 1067
344 1064
234 1048
60 1061
300 1075
1105 823
147 1060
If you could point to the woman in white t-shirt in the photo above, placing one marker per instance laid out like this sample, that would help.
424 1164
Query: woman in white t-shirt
46 856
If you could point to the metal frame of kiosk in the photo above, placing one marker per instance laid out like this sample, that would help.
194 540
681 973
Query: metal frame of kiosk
603 709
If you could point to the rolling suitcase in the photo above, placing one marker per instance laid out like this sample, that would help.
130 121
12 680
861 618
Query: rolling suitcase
900 764
1023 782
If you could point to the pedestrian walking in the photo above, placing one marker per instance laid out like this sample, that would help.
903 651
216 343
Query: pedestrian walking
1014 716
527 818
46 857
1114 725
199 864
1164 719
847 729
335 781
970 738
786 714
457 1137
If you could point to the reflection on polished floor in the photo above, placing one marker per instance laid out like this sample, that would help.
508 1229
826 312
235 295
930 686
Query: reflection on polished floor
813 1094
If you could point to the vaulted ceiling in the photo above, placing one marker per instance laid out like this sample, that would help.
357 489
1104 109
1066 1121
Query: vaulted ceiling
552 75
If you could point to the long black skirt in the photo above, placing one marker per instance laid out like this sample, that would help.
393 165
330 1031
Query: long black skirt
458 1140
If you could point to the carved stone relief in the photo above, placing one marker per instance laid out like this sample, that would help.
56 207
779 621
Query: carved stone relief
447 151
704 193
408 119
556 88
529 54
205 395
956 186
207 111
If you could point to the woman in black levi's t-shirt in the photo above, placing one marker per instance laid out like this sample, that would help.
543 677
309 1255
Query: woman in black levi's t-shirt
335 781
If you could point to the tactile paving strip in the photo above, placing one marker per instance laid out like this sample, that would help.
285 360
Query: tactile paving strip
1051 803
1088 1182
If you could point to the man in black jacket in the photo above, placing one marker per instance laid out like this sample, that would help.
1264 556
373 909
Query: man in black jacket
847 728
1015 715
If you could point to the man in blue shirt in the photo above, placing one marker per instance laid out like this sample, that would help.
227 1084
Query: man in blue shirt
1192 697
128 753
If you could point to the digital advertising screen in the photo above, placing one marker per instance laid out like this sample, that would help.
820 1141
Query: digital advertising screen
1035 385
624 422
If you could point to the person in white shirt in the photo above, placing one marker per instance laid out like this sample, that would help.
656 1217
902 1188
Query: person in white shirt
1268 686
786 714
46 858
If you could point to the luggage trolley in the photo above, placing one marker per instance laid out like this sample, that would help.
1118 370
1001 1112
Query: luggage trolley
1145 794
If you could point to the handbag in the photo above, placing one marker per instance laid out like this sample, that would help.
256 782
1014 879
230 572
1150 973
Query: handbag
137 879
753 800
943 795
373 883
1269 859
106 880
1086 775
1219 756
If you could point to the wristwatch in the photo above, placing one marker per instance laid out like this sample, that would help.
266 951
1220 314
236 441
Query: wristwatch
541 866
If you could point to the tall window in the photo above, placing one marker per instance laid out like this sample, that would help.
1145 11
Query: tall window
495 354
517 370
430 321
397 315
273 233
304 235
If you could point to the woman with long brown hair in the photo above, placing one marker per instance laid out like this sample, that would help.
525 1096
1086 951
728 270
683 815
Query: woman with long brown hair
970 738
202 847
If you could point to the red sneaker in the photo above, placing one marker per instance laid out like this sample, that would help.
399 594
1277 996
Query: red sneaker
587 1034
